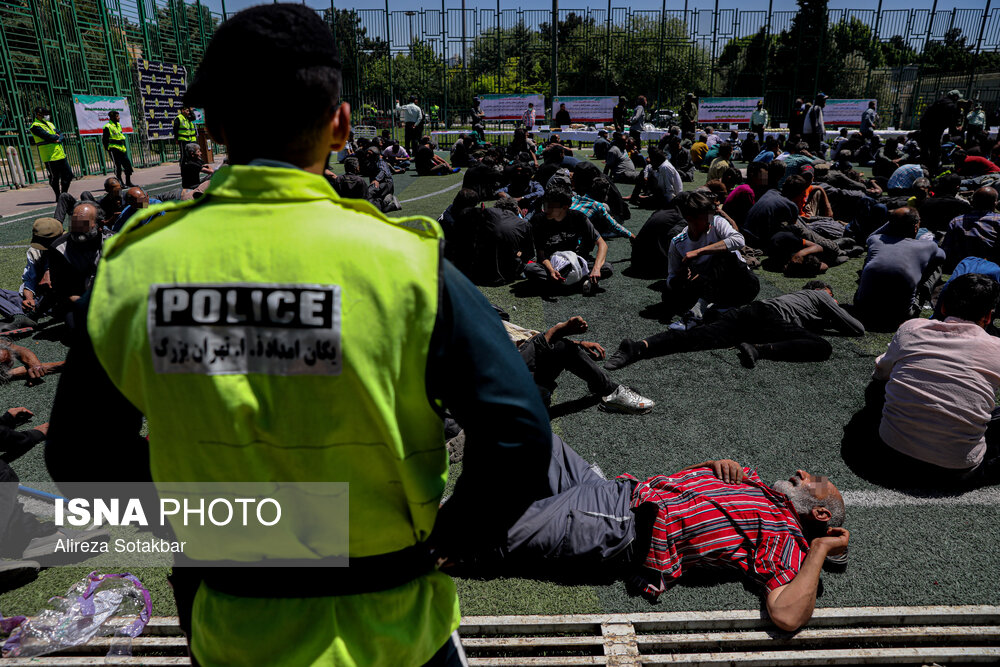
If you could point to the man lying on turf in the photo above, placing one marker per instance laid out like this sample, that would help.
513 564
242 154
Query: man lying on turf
32 370
778 328
714 514
548 354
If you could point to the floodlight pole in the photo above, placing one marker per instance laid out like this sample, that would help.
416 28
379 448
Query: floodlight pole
555 56
659 66
392 97
444 51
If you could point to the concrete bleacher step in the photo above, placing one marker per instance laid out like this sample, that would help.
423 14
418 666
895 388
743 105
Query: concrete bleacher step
947 635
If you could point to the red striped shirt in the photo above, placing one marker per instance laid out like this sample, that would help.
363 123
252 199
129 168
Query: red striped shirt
702 521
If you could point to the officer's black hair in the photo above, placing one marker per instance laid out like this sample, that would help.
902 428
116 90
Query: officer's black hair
286 50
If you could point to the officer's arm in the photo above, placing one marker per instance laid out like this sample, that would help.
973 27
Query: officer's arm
42 133
91 439
476 372
106 138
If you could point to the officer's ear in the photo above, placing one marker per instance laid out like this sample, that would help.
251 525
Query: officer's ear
340 126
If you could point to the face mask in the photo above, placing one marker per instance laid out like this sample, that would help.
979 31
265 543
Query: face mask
46 118
86 238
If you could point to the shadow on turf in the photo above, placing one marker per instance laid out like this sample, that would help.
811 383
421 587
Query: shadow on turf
570 407
860 440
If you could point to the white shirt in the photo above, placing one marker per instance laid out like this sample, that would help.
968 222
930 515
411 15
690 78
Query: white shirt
668 180
410 113
711 140
682 244
943 379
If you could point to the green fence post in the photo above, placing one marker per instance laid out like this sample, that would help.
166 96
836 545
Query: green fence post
444 50
979 48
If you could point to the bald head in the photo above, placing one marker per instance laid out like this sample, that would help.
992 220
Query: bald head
136 197
83 221
984 199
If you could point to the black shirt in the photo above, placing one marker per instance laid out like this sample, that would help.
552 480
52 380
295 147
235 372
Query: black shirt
423 159
575 232
937 212
500 236
650 250
191 173
562 118
11 440
766 216
601 146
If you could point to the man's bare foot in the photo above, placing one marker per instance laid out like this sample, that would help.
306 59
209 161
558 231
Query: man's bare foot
572 326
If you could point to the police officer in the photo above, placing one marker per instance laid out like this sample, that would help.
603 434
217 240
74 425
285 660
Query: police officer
184 130
374 336
50 148
114 142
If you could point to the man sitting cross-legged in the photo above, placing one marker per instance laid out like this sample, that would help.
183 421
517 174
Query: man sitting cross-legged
714 514
549 354
780 328
704 261
560 229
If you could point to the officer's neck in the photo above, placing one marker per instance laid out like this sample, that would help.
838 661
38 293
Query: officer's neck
317 168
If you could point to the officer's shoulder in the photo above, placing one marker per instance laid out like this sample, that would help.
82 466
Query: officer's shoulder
415 224
148 221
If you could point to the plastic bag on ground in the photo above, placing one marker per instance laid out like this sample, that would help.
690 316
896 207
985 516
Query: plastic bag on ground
102 605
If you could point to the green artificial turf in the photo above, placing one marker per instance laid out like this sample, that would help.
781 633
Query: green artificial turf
776 417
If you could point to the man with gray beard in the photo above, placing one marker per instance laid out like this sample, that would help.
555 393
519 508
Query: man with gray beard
714 514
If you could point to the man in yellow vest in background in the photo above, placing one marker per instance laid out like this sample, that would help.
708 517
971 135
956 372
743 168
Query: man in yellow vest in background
50 148
374 335
114 143
184 130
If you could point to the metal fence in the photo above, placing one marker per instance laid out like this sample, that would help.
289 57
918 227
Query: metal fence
904 58
52 49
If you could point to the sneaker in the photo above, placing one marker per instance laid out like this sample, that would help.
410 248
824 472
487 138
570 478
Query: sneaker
626 400
17 573
625 355
748 355
456 448
588 287
43 549
683 324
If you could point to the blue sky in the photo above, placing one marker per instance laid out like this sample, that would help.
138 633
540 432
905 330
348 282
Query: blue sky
233 5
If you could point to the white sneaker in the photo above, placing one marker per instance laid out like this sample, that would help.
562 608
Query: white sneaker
683 324
626 400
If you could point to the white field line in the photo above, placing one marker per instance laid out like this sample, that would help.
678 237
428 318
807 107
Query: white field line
886 498
433 194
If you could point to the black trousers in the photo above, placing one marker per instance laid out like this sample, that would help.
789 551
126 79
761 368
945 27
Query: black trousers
17 527
60 175
756 323
67 202
547 361
724 280
930 149
122 163
759 131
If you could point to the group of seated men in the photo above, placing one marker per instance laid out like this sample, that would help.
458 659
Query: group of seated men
550 223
